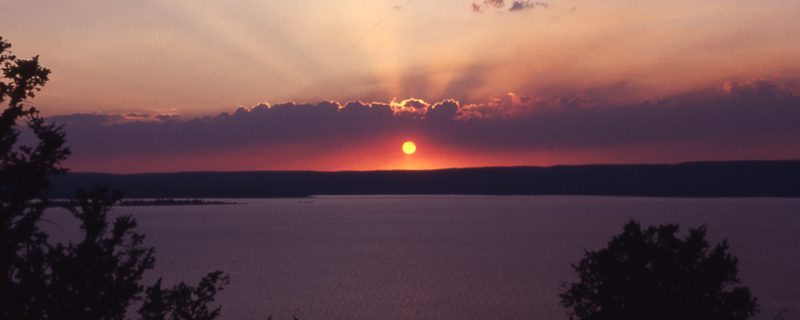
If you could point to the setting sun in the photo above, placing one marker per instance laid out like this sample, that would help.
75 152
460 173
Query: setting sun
265 135
409 147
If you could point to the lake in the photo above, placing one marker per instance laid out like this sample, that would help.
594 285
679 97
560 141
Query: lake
439 257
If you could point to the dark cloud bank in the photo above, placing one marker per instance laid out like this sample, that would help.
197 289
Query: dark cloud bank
739 118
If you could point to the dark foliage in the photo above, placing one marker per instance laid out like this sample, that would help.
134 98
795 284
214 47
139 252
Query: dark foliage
183 302
24 172
100 276
653 274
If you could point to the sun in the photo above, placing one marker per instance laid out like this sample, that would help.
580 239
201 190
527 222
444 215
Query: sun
409 147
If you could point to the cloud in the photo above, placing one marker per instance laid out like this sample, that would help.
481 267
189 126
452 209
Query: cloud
401 6
516 5
527 4
761 90
757 118
443 111
494 3
486 4
476 7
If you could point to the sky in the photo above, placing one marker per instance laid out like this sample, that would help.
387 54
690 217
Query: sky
188 85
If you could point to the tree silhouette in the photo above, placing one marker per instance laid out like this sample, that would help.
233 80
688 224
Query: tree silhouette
182 301
99 277
96 278
24 172
653 274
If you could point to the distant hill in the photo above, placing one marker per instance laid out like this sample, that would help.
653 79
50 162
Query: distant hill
694 179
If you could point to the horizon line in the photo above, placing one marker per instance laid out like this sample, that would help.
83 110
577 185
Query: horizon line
447 168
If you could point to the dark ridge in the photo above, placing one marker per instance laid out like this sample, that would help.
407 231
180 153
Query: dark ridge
154 202
693 179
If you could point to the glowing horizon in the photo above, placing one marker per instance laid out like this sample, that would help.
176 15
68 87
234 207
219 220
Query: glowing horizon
522 83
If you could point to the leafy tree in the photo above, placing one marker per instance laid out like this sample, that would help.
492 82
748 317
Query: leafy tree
24 172
100 276
653 274
183 302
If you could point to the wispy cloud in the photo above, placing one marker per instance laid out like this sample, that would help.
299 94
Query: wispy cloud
527 4
516 5
401 6
486 4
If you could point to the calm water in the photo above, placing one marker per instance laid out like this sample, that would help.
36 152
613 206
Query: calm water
440 257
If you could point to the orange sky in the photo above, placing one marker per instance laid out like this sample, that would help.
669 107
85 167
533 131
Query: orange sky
195 57
562 81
